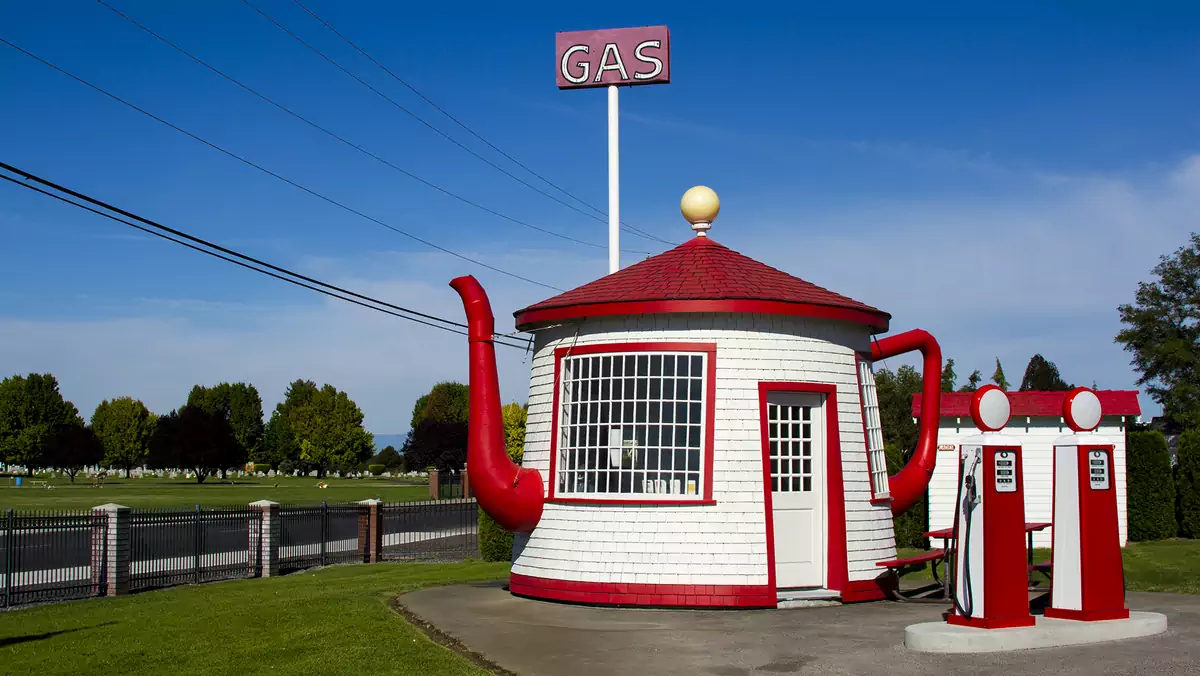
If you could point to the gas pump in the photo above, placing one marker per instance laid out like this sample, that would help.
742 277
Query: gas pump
990 576
1087 580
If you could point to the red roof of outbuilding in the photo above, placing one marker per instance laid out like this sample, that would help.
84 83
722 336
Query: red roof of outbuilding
701 275
1036 404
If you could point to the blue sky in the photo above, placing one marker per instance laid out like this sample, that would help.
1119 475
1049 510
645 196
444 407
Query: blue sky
1002 179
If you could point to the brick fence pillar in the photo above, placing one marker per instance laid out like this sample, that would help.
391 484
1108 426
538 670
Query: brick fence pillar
116 550
264 543
370 530
433 484
466 481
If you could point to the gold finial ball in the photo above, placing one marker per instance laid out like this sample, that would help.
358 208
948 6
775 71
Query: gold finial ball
700 205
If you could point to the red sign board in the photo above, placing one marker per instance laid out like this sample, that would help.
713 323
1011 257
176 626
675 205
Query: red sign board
618 56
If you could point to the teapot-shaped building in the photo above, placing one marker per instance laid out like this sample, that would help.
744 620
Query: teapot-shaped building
703 431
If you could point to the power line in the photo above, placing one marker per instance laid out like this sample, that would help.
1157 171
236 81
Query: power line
439 132
263 169
345 141
460 123
218 251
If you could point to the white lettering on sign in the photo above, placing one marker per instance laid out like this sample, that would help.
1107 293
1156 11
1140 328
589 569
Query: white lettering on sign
618 65
1005 471
1098 470
646 58
583 64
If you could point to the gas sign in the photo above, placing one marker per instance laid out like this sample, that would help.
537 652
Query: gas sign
617 56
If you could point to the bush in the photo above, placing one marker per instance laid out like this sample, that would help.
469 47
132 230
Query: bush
495 543
1151 487
287 467
263 467
1187 484
911 526
376 470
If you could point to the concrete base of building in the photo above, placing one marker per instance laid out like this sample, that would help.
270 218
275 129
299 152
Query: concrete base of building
1048 632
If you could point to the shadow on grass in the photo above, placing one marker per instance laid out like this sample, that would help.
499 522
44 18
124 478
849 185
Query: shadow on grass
14 640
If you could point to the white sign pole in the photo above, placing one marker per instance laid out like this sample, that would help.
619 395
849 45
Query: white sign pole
614 184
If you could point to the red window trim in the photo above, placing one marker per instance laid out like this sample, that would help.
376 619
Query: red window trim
862 410
710 407
837 571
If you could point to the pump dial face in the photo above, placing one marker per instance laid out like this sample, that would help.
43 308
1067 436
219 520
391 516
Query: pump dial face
1082 410
990 408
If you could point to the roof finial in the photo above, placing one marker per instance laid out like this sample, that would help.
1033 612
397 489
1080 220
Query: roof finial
700 206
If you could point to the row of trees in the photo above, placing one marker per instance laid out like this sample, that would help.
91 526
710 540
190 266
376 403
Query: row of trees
217 429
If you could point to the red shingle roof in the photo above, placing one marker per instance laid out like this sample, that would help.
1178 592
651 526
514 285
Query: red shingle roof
1036 404
690 276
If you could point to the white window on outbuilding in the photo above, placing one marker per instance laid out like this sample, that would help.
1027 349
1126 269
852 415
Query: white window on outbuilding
873 430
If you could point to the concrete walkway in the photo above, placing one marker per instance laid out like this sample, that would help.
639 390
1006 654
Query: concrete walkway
534 638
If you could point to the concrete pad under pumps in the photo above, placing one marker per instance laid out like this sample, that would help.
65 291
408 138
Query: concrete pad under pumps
940 637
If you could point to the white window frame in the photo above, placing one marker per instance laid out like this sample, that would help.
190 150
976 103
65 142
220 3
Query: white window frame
873 431
568 475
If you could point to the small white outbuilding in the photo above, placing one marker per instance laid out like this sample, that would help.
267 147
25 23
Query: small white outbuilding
1037 421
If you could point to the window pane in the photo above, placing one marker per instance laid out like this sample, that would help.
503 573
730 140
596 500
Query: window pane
682 368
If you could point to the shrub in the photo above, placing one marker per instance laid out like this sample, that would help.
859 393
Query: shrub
376 470
1187 483
911 526
1151 487
495 543
287 467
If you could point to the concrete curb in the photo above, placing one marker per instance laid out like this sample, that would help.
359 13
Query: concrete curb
939 637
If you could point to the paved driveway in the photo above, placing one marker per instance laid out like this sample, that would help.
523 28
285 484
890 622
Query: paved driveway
534 638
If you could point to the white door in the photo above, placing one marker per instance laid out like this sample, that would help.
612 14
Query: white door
795 432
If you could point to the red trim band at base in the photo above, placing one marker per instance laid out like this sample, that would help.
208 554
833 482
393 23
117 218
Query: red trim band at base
1086 615
858 591
653 595
985 623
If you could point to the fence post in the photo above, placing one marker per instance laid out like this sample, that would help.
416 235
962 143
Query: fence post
466 482
324 528
117 549
433 484
9 558
196 548
269 529
370 530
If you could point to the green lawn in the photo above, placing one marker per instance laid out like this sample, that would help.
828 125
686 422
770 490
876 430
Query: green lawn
330 621
1164 566
154 492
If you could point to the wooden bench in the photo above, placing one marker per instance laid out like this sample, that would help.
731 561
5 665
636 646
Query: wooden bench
934 556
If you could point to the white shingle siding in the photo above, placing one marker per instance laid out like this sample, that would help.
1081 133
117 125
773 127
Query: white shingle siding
1037 439
723 543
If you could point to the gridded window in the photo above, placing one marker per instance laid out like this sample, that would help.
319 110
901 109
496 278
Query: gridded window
632 424
790 434
876 461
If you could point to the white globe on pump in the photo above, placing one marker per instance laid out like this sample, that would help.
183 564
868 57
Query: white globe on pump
1082 410
990 408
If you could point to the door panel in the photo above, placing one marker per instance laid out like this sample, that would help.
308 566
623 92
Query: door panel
796 439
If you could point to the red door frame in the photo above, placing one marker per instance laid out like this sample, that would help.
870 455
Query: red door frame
836 566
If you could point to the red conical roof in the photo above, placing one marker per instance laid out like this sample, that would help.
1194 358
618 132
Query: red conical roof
701 276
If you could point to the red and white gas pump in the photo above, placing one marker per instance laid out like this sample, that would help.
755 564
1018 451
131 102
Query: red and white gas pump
1087 581
990 575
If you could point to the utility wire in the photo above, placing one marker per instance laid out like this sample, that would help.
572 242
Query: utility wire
439 132
345 141
162 230
263 169
460 123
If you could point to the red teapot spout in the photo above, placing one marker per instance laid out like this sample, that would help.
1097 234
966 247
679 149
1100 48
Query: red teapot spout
513 496
909 484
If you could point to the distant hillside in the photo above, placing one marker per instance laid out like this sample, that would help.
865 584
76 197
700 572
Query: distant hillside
394 440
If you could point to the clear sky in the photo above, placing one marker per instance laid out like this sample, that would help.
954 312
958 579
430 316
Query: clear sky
1002 179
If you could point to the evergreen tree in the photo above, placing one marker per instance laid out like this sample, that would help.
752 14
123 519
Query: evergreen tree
948 376
1187 483
998 377
973 381
1042 375
1151 487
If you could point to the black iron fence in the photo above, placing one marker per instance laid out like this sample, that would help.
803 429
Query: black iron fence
450 485
52 556
59 555
319 535
438 530
171 546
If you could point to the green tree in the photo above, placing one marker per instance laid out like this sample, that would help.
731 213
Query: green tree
1187 483
439 428
279 439
71 448
124 426
31 411
998 377
495 543
192 438
1151 487
241 405
949 377
1042 376
388 457
329 429
1162 330
446 402
973 381
895 391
